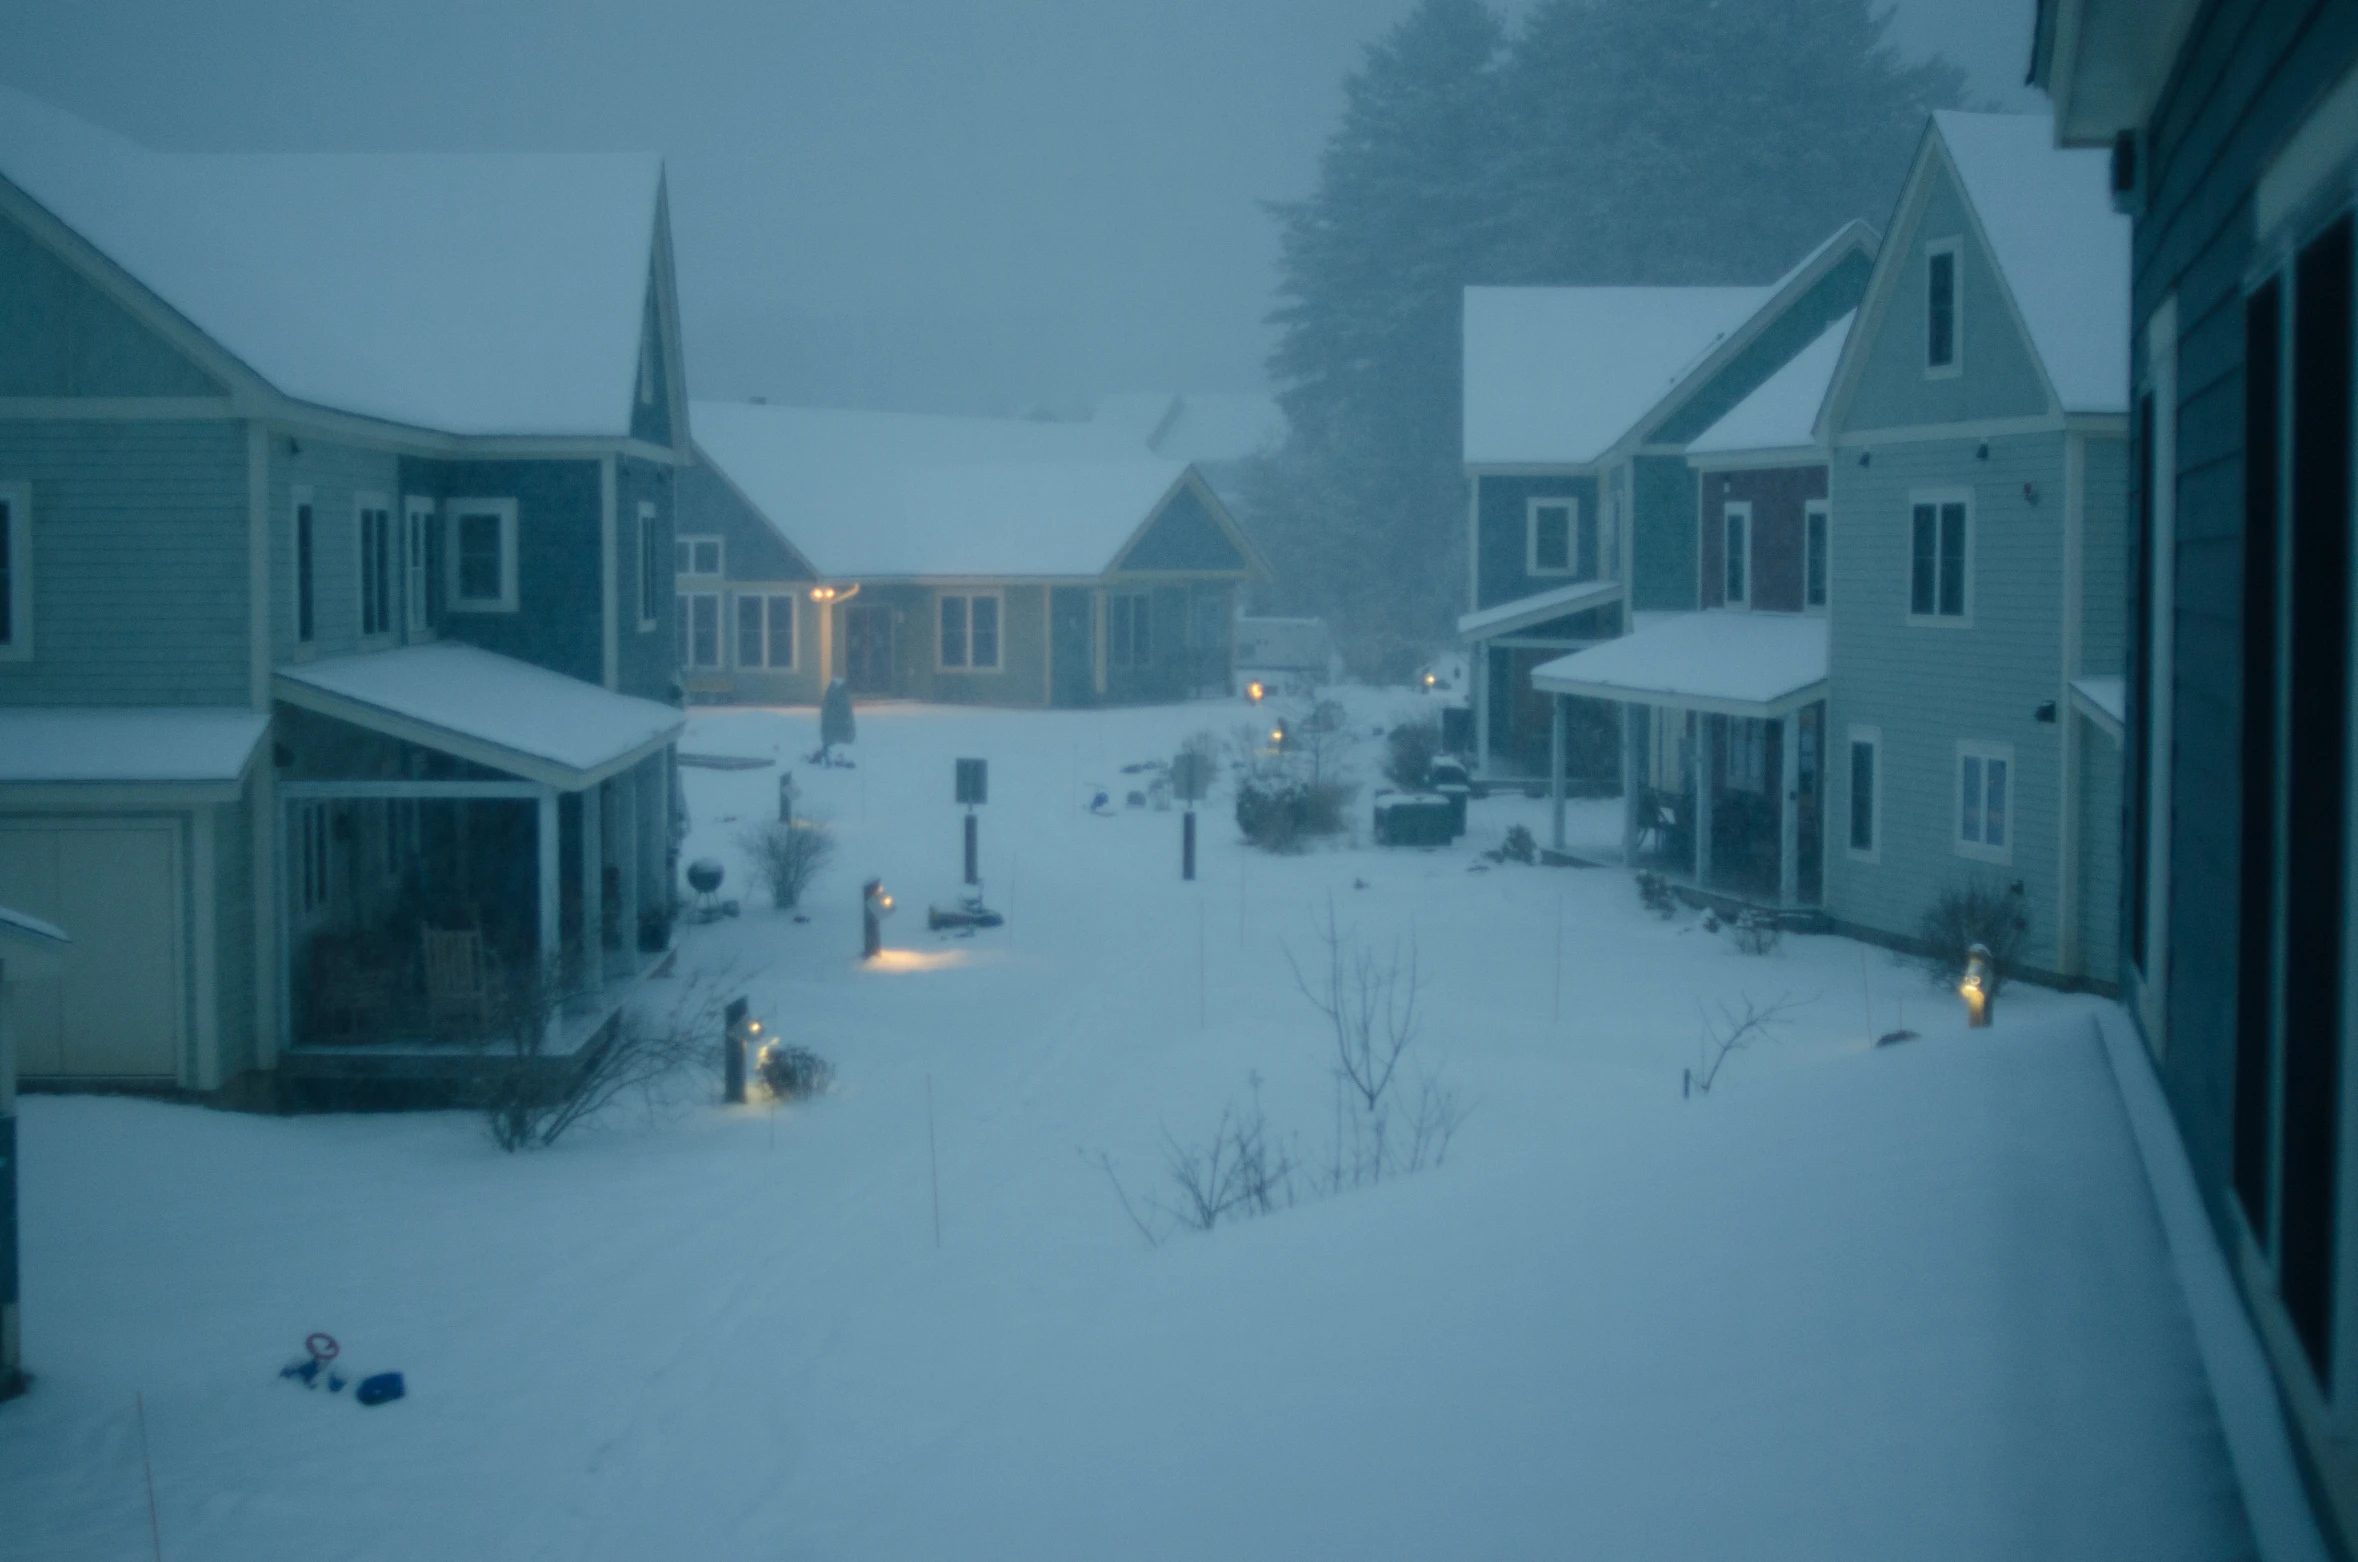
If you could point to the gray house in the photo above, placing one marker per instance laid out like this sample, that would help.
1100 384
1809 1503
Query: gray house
1579 402
336 688
991 561
1978 430
2233 132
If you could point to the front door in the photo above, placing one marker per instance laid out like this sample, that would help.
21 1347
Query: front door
1072 646
867 648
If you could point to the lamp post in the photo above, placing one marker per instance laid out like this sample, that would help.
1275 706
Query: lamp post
875 906
1975 988
734 1032
974 788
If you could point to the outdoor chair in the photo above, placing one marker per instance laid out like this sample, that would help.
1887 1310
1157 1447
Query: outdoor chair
459 982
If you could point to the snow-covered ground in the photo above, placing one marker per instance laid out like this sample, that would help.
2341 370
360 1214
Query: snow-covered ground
1908 1302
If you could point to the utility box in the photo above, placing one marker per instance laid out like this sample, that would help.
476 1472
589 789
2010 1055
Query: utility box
1414 819
974 781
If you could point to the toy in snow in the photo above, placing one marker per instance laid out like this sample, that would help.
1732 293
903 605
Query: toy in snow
316 1365
1100 800
380 1388
964 917
704 877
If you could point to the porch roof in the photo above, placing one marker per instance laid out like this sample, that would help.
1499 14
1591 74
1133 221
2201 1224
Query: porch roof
491 709
1734 664
1538 608
129 746
2105 701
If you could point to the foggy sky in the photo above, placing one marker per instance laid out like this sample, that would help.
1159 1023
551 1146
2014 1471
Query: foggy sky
955 207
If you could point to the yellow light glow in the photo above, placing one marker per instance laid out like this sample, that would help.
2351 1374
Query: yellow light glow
1430 680
1277 734
1254 691
755 1028
915 961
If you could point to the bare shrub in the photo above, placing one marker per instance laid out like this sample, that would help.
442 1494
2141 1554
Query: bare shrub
787 857
1756 932
1240 1172
1655 895
1731 1034
1974 912
530 1098
794 1073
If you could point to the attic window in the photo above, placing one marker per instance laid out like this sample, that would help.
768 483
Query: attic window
1942 309
481 549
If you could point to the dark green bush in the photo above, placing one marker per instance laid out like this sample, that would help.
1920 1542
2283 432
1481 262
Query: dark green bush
1975 912
1408 753
1281 814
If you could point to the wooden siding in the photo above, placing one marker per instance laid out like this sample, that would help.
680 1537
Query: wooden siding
1929 687
652 421
559 622
139 563
1663 534
1183 538
1804 320
646 663
2104 558
2000 376
61 336
1501 508
1779 497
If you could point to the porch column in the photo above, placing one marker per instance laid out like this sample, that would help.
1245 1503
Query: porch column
1481 692
1632 781
593 889
551 882
1704 766
1789 811
626 855
1555 767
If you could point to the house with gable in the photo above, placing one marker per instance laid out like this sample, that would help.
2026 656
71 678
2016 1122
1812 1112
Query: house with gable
336 687
1977 428
990 561
1579 403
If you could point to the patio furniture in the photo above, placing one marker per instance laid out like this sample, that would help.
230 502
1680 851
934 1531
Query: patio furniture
459 983
351 997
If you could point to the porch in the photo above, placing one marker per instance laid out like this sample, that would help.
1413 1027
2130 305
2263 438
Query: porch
1723 751
474 866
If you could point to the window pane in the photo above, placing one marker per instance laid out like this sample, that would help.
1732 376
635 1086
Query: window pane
478 560
1993 805
1952 560
953 631
1940 347
704 632
1926 556
749 626
1736 560
1862 796
1117 631
1969 798
781 609
986 631
1551 537
1815 567
680 561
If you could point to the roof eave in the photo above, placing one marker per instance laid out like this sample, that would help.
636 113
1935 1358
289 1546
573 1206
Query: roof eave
2103 63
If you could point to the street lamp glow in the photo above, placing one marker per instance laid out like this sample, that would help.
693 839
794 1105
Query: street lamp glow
1254 691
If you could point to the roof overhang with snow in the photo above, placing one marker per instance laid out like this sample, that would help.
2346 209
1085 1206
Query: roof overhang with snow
488 709
1524 612
30 950
2104 701
1762 665
174 754
2103 63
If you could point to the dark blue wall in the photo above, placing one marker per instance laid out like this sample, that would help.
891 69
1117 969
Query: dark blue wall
1502 506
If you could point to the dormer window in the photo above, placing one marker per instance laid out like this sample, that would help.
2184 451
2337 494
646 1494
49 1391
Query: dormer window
1943 308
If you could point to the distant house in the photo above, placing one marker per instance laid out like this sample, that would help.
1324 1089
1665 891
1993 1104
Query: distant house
2233 136
964 560
1579 403
1978 427
335 596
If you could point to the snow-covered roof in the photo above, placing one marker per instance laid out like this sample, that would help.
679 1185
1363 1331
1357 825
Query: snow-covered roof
1538 608
882 495
1782 413
1554 375
1197 425
126 746
493 709
2049 216
2106 699
496 293
1744 664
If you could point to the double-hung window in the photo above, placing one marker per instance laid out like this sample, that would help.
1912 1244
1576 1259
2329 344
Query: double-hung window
970 632
306 570
1559 539
765 630
1736 549
1866 791
1940 559
373 535
417 526
16 572
1816 526
699 632
1944 308
696 556
1129 631
650 568
482 556
1985 800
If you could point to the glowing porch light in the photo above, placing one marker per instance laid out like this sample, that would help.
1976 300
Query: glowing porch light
1975 988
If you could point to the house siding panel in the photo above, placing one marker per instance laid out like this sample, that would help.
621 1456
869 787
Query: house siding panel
336 475
1779 497
559 622
1183 537
1502 509
139 563
61 336
1663 492
645 660
1824 302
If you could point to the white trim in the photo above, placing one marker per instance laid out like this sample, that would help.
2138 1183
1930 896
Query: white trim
1820 510
418 515
1985 754
1939 498
2318 154
482 751
1570 505
204 939
650 556
456 511
1953 246
1729 512
1872 737
16 543
2161 358
684 546
2070 957
769 644
998 661
301 508
1473 542
365 505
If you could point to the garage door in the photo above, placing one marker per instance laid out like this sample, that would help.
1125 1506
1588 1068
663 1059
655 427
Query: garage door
115 1010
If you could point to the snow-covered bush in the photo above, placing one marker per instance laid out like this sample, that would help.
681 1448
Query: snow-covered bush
787 857
1408 753
1518 845
1282 813
1655 895
1976 911
794 1072
1756 932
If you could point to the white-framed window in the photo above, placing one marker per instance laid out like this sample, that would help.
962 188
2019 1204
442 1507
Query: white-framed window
697 557
765 630
969 632
417 526
698 618
1129 629
650 568
1736 552
311 856
1817 526
1940 557
1985 800
16 572
372 535
1944 308
481 549
1558 539
1863 825
306 549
